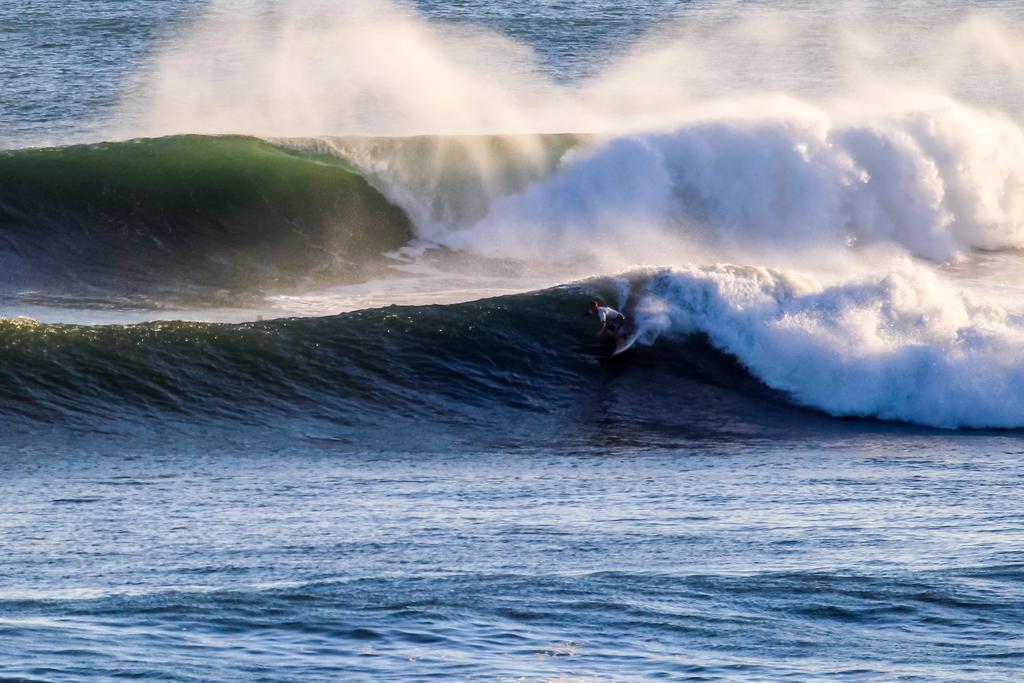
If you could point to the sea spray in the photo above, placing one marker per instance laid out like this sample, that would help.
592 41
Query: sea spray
304 68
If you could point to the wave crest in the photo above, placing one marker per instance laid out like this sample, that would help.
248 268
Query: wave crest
935 180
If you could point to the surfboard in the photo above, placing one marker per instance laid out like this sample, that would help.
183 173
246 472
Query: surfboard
623 345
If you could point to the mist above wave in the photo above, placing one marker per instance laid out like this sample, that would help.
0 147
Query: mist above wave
297 68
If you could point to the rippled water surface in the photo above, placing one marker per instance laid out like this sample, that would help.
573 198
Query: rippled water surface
889 556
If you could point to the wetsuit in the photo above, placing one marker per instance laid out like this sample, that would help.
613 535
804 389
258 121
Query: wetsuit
612 319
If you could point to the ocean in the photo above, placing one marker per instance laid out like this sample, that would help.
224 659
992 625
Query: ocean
297 380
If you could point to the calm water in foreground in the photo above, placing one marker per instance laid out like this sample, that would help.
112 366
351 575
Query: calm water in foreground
885 556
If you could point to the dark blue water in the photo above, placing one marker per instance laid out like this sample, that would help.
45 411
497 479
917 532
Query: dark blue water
870 557
466 486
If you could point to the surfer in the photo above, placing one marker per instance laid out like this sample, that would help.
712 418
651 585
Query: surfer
612 322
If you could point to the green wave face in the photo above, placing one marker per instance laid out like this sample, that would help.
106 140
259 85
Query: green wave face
226 212
530 362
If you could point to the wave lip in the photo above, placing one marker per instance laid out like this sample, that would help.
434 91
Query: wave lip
228 212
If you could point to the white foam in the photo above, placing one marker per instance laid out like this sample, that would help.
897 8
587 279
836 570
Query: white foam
935 179
908 345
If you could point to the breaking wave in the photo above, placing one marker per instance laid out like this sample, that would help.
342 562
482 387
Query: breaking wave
723 344
935 180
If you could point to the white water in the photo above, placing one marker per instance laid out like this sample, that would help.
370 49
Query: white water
905 345
935 179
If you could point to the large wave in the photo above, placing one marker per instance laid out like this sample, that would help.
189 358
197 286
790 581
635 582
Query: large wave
527 362
724 345
936 180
